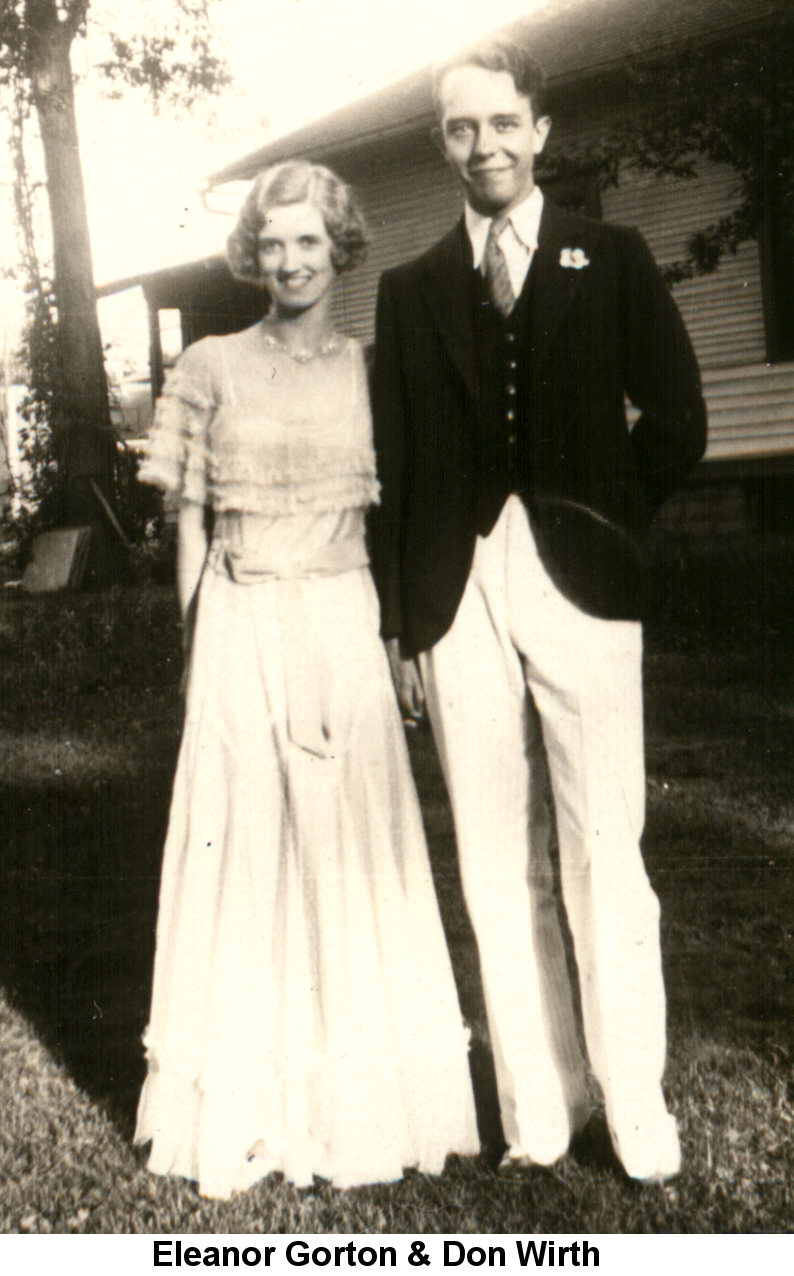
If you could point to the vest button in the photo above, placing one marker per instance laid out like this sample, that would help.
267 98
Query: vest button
510 415
510 337
512 365
511 438
511 390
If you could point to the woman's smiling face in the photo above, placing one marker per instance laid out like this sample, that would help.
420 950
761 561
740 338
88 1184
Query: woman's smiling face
295 256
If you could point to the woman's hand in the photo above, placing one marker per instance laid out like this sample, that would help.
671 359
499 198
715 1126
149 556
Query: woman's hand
407 682
190 558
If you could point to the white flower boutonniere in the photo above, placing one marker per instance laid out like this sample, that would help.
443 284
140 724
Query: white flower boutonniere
575 258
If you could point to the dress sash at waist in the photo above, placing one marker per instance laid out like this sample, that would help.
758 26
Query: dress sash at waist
248 566
251 553
249 550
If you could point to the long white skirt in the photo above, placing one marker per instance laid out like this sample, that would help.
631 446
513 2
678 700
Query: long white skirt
304 1015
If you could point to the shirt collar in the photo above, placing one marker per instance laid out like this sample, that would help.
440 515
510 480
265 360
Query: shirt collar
524 218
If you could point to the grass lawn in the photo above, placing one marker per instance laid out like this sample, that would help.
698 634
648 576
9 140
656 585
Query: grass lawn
89 730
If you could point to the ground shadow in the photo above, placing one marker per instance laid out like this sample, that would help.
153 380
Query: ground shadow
79 880
80 865
79 876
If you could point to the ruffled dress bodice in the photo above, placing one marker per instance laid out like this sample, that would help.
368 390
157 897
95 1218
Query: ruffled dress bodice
242 427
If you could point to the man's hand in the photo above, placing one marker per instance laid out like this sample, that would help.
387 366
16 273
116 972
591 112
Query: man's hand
407 682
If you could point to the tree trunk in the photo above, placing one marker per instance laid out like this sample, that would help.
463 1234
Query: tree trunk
85 446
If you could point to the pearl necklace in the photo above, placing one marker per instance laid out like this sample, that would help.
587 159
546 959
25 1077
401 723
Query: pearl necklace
302 356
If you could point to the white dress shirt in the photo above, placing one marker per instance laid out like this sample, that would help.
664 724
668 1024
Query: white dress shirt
518 240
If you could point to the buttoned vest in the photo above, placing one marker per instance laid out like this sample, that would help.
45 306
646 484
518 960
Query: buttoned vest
504 445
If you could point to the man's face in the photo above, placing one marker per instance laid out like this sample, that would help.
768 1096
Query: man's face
489 137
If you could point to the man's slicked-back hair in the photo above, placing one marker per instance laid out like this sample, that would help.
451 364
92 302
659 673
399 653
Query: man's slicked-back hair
498 54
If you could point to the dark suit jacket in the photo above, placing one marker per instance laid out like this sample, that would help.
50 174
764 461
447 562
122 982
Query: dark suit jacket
590 485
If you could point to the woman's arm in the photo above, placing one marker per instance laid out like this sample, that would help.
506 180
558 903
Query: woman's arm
190 559
388 420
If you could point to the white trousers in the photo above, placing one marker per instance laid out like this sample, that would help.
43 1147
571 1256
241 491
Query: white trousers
515 632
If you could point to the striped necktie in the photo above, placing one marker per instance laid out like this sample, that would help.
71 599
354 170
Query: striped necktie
495 269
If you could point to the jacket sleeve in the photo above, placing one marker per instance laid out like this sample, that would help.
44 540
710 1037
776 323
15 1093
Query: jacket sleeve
389 423
662 379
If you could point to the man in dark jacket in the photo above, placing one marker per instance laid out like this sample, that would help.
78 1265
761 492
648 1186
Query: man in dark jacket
509 553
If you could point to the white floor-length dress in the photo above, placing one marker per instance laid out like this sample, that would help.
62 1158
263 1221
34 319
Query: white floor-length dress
304 1015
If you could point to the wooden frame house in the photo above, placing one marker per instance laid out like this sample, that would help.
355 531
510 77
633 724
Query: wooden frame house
740 318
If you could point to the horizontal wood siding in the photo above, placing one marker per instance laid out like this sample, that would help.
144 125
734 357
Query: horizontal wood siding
723 311
410 200
750 403
751 411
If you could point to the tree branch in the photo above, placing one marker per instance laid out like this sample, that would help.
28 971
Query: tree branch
76 14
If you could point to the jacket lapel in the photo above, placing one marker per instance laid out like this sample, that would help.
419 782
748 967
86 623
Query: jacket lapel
446 286
555 285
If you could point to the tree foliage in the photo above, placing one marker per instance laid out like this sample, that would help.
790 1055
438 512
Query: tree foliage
175 66
38 354
729 100
731 103
175 60
169 53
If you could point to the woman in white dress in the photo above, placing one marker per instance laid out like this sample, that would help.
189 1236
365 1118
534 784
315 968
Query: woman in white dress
304 1015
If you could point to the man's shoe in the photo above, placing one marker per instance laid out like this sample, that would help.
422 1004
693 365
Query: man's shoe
514 1166
650 1151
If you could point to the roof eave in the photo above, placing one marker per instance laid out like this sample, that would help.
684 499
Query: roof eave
407 105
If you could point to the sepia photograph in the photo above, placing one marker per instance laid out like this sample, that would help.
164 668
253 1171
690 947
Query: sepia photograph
396 625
